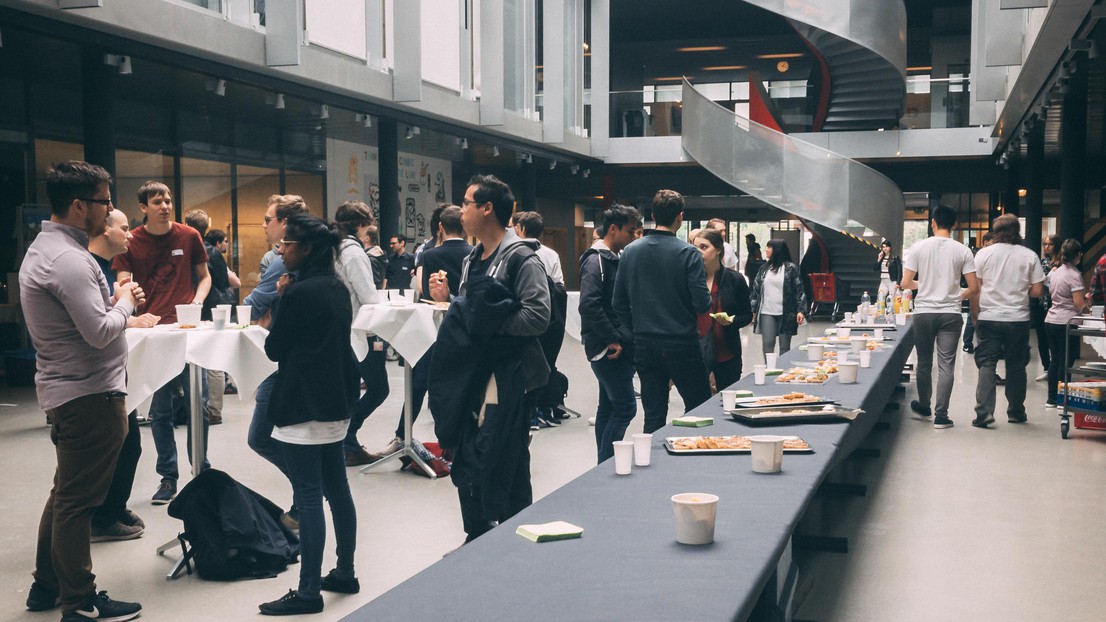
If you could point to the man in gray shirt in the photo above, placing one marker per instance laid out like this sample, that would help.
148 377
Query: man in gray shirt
77 330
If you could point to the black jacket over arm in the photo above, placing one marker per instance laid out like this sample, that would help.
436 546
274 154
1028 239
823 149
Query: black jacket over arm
309 340
599 326
734 294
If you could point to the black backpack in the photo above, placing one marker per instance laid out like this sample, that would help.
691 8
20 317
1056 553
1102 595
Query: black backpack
233 532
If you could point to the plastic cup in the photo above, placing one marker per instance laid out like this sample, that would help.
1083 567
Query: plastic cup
858 343
843 333
879 334
219 318
846 372
729 400
848 317
843 356
814 351
770 360
245 314
623 457
758 374
767 453
900 319
695 517
865 358
229 310
643 448
869 319
188 315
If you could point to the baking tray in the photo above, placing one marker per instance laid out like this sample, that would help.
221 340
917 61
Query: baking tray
668 445
788 414
750 402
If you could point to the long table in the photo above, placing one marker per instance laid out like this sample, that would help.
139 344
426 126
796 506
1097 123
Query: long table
628 565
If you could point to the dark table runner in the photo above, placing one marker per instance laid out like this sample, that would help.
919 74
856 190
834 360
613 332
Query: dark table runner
628 565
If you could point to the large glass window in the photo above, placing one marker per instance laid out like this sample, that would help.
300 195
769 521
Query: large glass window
134 168
522 40
441 43
47 154
255 186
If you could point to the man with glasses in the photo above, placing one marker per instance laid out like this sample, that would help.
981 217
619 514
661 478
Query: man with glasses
77 330
169 261
401 264
263 300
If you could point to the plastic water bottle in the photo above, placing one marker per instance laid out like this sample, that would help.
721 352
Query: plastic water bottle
865 304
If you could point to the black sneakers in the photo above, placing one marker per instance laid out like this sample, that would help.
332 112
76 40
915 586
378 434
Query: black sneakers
982 422
116 531
291 605
41 598
165 492
921 411
100 607
940 423
333 582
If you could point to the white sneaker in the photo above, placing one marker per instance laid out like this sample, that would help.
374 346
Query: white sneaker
591 420
1042 376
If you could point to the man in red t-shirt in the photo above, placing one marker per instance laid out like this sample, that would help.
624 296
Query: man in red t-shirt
170 262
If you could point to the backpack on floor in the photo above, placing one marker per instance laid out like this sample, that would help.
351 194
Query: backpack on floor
231 531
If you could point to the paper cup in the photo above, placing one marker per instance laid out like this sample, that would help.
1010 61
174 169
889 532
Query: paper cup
843 333
695 517
869 319
846 372
900 319
865 358
643 448
767 453
229 309
758 374
770 359
814 351
245 314
188 315
848 317
879 334
858 343
219 318
729 400
623 456
843 356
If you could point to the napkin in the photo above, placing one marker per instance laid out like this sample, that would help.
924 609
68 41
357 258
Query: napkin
545 532
693 422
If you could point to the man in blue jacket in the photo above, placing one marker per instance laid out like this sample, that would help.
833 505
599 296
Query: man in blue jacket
660 290
609 349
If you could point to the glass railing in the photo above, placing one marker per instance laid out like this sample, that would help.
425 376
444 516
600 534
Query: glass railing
658 111
790 174
936 102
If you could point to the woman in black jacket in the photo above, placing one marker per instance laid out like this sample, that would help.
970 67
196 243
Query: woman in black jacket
729 294
889 267
315 392
778 298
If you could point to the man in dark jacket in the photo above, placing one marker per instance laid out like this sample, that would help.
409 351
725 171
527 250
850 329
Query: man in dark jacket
659 293
491 464
609 349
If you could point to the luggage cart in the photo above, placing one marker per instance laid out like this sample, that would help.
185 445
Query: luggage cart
1088 411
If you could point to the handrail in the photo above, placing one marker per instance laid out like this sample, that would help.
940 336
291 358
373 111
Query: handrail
789 173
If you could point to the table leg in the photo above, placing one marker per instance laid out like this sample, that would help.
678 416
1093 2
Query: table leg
408 416
195 377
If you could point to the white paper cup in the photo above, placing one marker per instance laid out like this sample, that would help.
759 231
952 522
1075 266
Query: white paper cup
848 317
843 356
846 372
770 360
858 343
229 308
695 517
900 319
758 374
188 315
869 319
843 333
814 351
865 358
623 456
219 318
767 453
245 314
643 448
879 334
729 400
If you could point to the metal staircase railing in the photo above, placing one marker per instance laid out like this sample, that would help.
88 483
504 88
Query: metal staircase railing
793 175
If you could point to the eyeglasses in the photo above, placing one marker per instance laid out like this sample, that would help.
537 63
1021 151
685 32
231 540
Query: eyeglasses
471 202
269 219
100 201
288 242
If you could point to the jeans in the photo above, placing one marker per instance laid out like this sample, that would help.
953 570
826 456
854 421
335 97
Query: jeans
260 437
115 503
420 384
375 375
87 434
969 330
165 403
770 326
617 402
319 471
1059 359
943 331
1037 320
660 360
1010 342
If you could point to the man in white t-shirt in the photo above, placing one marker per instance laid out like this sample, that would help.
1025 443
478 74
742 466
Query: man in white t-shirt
940 261
1009 274
729 259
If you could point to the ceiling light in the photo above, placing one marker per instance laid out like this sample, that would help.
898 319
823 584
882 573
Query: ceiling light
702 48
552 164
775 56
324 111
668 79
278 103
464 143
221 88
408 134
929 68
725 68
364 119
587 172
120 61
574 169
495 152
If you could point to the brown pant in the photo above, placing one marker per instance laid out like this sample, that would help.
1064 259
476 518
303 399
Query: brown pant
87 433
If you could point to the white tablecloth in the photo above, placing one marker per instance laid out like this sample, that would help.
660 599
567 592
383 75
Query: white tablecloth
1096 321
572 316
411 328
157 355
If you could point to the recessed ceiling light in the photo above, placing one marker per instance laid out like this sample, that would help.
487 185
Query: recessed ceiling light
774 56
702 48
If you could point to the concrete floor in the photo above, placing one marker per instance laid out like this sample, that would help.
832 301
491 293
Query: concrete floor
959 524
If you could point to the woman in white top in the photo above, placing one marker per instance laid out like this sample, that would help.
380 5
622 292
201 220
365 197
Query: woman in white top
777 298
1065 286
